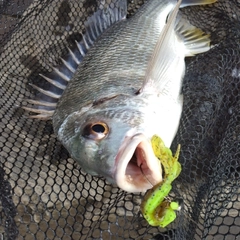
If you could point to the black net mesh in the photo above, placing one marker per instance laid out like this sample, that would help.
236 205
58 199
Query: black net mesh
43 192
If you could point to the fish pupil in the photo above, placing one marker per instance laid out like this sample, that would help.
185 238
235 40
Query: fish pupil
98 128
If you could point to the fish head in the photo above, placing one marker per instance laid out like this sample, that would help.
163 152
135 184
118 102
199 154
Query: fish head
111 141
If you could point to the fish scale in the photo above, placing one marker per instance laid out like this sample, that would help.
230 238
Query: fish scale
126 89
117 88
125 54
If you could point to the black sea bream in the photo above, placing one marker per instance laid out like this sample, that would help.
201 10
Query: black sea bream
126 89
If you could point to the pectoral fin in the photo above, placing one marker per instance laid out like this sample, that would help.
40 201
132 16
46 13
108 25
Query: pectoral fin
177 34
162 54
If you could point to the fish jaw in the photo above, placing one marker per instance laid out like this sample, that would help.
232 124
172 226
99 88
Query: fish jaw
137 169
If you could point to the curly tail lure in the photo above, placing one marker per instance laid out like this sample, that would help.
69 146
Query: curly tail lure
156 208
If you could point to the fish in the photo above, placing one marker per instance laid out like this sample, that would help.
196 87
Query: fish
125 87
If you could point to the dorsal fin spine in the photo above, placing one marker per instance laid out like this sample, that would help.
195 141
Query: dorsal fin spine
58 78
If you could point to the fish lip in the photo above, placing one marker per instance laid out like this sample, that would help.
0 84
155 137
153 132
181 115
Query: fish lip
128 174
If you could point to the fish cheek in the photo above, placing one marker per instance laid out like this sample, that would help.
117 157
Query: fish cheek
84 151
89 147
80 148
81 134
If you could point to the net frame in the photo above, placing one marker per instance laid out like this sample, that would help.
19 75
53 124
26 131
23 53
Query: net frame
45 194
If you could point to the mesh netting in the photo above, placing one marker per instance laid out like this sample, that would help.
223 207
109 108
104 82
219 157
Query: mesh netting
44 194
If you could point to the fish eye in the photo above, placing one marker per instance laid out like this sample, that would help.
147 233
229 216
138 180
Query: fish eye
96 131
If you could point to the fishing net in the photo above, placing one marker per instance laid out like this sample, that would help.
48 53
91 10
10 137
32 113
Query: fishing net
44 194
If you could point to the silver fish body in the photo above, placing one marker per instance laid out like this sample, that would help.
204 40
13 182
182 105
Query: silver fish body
126 89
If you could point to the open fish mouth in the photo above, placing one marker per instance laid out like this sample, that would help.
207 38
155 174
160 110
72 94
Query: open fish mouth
137 167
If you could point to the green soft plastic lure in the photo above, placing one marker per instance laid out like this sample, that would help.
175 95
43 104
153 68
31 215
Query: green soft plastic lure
156 207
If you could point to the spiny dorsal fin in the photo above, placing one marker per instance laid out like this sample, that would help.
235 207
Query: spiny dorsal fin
60 75
193 40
